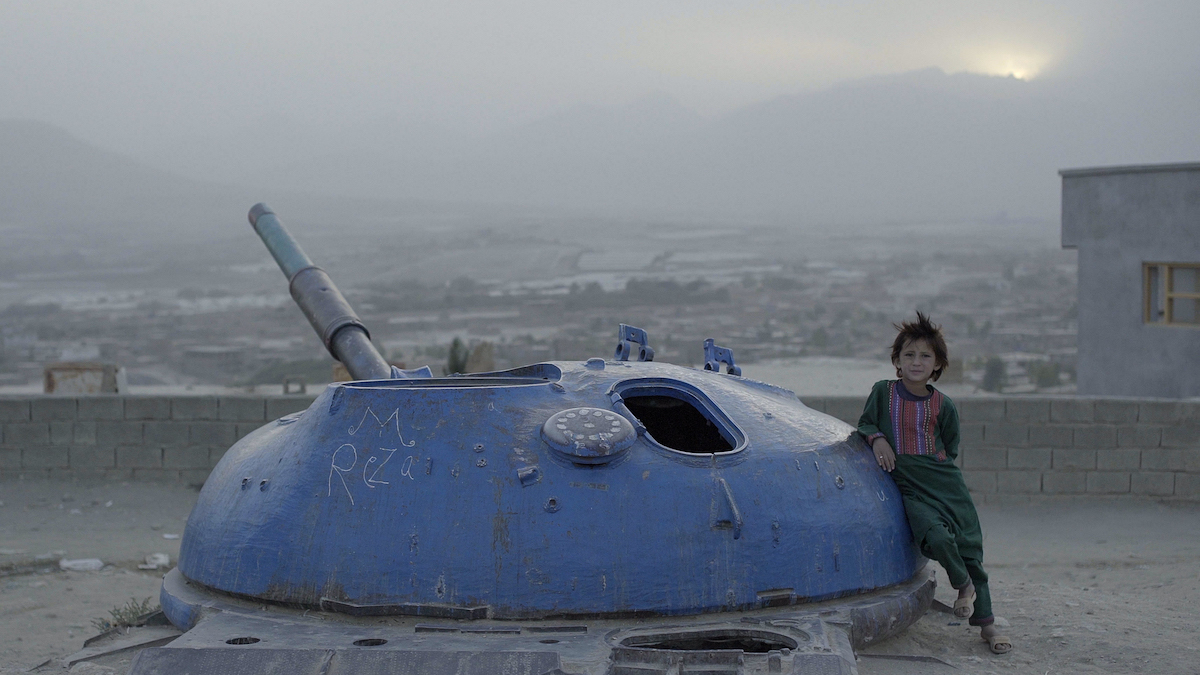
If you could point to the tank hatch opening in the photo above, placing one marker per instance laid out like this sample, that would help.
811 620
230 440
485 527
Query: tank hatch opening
677 425
679 419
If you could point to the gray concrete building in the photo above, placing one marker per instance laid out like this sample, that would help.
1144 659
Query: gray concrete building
1137 230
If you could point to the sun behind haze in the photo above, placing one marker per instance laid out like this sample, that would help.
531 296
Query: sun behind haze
782 47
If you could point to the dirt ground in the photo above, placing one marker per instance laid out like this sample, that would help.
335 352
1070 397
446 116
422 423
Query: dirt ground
1081 585
1084 586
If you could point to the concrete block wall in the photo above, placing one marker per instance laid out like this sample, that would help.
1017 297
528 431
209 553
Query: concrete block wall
1010 445
1070 445
172 438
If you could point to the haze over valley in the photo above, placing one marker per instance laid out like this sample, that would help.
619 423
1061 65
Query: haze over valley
786 179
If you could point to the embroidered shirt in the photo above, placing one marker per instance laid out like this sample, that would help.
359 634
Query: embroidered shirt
914 421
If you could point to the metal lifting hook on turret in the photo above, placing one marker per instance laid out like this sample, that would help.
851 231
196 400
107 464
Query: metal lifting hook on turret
331 316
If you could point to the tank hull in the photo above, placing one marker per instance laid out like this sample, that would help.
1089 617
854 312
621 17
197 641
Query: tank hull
237 636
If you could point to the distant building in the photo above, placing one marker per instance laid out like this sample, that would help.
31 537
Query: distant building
78 377
1137 230
214 363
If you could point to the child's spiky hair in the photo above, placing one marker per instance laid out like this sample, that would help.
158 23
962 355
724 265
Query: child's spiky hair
921 329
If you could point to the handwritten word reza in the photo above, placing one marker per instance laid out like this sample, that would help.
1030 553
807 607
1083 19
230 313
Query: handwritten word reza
345 459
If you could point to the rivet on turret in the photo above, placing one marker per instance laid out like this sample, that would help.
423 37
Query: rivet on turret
552 505
262 485
246 483
839 482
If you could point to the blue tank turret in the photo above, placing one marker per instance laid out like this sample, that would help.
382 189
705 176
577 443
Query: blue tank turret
603 491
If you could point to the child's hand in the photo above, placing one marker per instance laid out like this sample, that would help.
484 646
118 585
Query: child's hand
884 455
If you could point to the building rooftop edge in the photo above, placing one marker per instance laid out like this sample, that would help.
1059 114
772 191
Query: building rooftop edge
1132 168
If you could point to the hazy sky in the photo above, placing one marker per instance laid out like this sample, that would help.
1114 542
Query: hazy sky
130 74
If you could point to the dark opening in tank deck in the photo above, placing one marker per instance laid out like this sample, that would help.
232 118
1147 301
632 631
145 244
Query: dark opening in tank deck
677 424
753 641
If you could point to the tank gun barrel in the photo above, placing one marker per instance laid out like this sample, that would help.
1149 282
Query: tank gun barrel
327 310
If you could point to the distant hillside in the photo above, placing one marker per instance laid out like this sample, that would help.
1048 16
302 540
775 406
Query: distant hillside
921 145
48 176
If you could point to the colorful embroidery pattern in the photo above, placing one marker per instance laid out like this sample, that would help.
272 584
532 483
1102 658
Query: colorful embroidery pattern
914 423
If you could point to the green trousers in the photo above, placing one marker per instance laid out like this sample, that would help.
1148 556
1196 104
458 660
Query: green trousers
938 544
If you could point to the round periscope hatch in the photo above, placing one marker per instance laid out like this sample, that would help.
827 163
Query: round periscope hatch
588 435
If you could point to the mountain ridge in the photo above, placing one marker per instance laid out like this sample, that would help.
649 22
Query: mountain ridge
922 145
918 145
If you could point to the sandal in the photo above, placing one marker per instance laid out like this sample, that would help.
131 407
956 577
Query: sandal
999 644
964 607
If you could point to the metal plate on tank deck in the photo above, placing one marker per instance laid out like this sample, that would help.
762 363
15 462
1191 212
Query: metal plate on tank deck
341 662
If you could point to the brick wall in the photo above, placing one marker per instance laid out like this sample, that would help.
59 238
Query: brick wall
129 437
1010 445
1070 445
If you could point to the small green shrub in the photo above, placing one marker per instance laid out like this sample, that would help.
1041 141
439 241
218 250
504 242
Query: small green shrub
125 615
993 375
1044 375
457 361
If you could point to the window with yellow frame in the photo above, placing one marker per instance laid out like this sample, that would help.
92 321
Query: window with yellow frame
1171 293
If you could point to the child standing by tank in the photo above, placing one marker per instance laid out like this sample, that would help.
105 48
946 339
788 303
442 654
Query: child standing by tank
913 430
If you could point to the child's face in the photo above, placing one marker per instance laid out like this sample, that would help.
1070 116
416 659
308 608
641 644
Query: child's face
917 361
